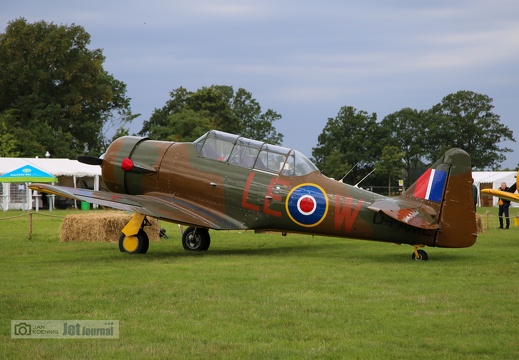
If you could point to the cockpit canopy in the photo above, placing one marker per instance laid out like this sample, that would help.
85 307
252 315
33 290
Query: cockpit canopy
252 154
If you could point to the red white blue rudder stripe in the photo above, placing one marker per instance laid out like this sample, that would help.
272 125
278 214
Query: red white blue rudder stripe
430 185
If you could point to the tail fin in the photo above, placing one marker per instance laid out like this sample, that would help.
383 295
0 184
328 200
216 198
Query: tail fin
446 187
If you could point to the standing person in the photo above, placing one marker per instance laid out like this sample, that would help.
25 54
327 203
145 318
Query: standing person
475 193
504 205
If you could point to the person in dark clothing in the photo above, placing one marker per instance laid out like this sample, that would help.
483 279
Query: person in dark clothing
504 205
475 192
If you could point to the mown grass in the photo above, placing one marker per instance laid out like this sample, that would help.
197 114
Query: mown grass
263 296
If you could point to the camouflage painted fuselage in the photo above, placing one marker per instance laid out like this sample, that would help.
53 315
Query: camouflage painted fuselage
214 193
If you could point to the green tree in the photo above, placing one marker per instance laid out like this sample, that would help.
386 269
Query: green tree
406 130
391 163
159 117
336 166
465 120
8 143
254 124
183 125
55 88
116 127
187 115
354 134
215 102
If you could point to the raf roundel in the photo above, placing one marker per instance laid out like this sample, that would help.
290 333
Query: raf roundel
307 205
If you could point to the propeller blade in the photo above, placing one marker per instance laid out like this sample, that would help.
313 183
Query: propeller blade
90 160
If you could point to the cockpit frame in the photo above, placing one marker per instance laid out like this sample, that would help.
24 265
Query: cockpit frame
253 154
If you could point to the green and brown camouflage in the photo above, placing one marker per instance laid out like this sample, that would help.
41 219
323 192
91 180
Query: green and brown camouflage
226 182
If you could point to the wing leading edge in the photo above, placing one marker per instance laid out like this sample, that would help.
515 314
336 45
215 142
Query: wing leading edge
155 205
501 194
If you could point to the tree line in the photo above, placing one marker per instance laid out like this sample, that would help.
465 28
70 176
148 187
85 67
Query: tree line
403 143
56 96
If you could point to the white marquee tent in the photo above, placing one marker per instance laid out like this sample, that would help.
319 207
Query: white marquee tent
69 173
492 180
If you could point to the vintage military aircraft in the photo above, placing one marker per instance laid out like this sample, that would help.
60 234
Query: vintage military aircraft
227 182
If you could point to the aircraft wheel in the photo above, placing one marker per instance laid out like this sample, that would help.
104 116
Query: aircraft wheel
422 255
196 239
135 244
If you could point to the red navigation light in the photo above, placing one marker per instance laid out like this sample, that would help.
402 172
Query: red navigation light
127 164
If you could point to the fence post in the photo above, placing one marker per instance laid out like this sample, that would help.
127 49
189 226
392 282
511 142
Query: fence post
30 225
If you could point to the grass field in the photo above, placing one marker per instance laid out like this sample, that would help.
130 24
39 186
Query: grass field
262 296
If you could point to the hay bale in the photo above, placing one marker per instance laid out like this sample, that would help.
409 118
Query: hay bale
479 224
101 226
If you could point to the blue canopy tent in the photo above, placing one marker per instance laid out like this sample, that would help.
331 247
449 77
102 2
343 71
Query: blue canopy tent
68 172
20 178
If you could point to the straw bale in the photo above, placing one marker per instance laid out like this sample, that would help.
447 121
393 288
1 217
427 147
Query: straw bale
101 226
479 224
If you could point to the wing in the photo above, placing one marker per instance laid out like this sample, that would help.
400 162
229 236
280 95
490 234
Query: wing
156 205
502 194
408 211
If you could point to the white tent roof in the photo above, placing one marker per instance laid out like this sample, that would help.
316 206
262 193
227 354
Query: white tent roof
495 177
56 167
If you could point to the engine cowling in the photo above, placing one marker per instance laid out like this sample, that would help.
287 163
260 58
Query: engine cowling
131 164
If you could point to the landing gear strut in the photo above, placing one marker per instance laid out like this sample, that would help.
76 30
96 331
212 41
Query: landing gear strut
133 239
419 254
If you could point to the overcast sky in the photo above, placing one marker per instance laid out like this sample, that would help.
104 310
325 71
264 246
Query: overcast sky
303 59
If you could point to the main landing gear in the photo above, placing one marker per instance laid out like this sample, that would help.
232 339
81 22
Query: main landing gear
133 239
419 254
196 239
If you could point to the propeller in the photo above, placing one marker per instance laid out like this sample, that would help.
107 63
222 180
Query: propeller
90 160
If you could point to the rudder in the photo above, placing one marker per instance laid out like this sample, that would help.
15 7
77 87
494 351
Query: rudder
447 188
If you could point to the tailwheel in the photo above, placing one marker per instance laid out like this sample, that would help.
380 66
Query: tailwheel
134 244
419 254
196 239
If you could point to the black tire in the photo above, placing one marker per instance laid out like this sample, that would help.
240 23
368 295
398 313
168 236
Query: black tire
422 255
145 241
137 244
196 239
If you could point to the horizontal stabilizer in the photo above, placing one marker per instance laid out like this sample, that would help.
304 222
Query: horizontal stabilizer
408 211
